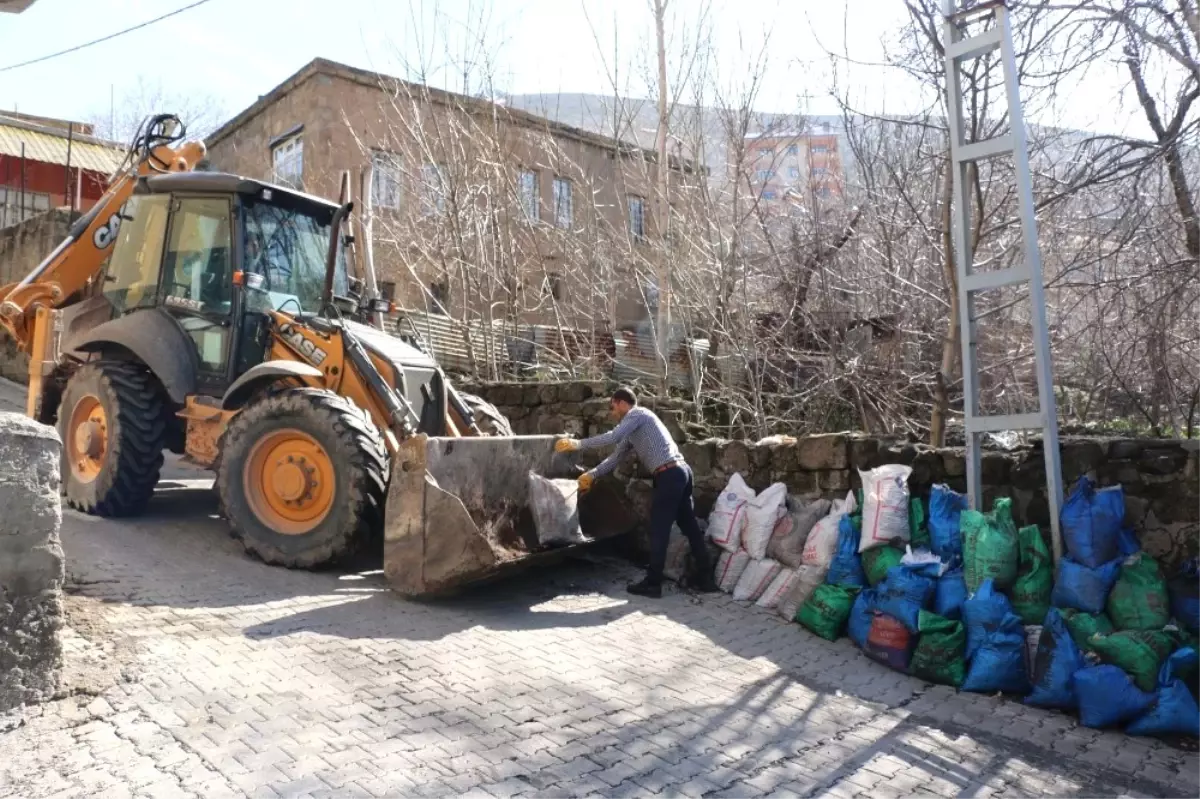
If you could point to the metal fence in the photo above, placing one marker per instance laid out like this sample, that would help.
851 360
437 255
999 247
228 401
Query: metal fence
526 351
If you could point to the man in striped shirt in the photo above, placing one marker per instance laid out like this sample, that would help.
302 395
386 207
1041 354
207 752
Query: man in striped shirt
639 431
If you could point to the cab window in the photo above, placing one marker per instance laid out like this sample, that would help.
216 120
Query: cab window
197 273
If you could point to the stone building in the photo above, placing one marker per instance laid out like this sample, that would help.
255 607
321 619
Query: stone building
482 211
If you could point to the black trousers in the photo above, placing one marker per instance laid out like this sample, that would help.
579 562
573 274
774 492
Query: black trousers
672 504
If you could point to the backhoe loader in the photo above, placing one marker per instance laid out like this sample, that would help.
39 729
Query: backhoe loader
213 316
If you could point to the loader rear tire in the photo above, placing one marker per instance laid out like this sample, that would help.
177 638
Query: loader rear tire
302 477
113 423
488 418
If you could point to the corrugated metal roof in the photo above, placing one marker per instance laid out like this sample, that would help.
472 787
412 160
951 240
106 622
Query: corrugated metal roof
627 356
51 148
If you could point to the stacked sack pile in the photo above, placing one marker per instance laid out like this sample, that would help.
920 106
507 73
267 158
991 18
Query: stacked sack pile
773 551
970 601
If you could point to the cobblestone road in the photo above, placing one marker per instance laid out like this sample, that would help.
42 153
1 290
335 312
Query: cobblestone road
203 673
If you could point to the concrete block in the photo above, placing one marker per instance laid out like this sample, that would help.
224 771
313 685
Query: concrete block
31 562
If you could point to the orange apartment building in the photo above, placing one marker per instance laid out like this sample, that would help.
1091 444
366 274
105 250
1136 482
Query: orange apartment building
794 168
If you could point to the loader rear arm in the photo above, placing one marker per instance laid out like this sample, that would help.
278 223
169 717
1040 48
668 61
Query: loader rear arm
82 254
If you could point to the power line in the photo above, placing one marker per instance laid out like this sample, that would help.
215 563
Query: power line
104 39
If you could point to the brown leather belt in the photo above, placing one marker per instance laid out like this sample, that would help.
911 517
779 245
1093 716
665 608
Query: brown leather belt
665 466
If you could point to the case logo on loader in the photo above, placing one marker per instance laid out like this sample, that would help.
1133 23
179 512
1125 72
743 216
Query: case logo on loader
302 345
106 234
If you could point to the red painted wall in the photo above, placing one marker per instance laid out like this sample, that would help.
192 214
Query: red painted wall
50 179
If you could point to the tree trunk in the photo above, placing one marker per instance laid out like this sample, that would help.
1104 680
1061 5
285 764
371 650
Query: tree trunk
950 342
662 323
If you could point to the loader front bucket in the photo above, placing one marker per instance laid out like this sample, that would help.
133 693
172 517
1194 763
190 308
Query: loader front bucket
458 510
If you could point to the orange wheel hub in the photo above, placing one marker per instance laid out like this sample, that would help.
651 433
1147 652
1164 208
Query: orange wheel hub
87 438
289 481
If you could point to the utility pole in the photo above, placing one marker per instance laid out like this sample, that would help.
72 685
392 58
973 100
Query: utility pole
662 324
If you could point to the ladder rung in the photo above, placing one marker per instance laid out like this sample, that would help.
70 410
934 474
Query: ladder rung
998 278
988 148
975 46
979 9
997 424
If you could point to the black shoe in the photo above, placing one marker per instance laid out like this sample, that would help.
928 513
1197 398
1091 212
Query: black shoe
704 585
645 588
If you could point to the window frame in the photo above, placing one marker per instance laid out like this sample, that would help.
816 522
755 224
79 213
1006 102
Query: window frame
433 195
386 180
638 230
285 151
529 187
564 188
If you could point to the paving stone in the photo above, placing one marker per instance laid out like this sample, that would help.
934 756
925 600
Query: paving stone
248 680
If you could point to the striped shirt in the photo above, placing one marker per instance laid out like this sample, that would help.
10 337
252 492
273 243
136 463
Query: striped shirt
641 432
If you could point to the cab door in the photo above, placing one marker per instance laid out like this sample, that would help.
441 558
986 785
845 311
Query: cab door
197 282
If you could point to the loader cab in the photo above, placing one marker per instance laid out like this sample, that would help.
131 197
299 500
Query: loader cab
186 240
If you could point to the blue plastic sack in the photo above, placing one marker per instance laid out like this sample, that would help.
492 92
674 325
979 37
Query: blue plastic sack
1184 590
861 614
1108 697
1091 523
846 568
945 509
982 614
1127 542
999 663
1175 710
1054 665
1077 586
908 590
951 594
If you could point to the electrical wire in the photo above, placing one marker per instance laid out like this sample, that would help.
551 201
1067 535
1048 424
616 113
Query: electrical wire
105 38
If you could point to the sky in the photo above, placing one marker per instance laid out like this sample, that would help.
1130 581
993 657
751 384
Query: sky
229 52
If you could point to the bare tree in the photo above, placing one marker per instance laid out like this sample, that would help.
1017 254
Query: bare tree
132 103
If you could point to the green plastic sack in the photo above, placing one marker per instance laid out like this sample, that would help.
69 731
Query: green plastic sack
939 656
918 533
990 546
1084 625
1030 593
1139 652
826 611
1138 600
877 560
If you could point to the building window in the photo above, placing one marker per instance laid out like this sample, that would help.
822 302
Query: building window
433 189
819 171
820 148
288 160
439 294
385 183
794 172
637 217
552 286
527 189
793 149
766 152
563 208
387 290
17 206
824 192
768 195
765 174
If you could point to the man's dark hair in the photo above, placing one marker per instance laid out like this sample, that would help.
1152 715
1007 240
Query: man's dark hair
625 395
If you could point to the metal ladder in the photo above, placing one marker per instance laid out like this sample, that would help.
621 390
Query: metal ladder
1014 144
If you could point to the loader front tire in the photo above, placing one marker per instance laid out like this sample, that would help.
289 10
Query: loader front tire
302 477
113 424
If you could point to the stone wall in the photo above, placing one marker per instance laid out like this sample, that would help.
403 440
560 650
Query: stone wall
31 562
1160 476
22 247
579 408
